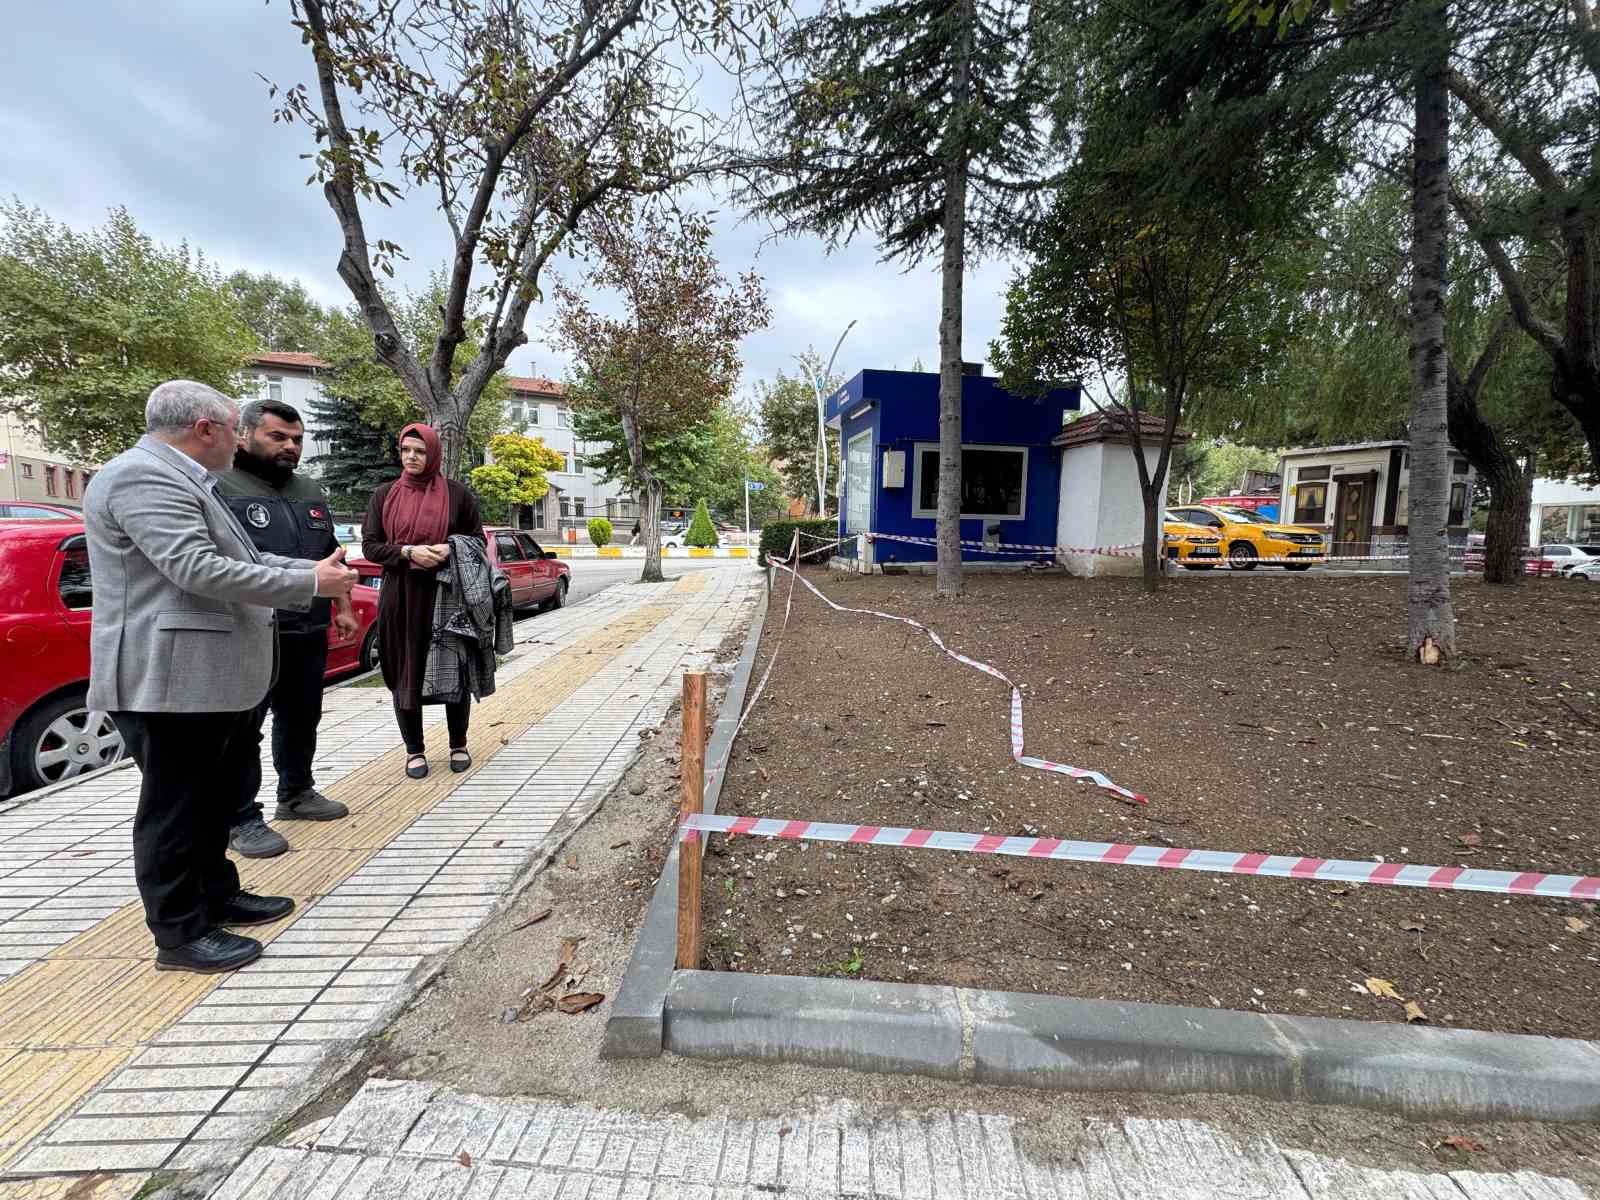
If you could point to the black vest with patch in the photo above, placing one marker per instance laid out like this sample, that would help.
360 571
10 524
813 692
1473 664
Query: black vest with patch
292 520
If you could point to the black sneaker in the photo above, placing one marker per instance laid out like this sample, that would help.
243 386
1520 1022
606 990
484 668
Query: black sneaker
246 908
209 954
255 839
310 805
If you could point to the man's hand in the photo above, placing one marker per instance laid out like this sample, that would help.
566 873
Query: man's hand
334 579
345 621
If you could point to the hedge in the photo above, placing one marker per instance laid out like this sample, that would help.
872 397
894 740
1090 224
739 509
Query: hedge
777 535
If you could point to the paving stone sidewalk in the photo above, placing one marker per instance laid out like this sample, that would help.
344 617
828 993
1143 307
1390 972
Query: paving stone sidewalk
107 1065
406 1139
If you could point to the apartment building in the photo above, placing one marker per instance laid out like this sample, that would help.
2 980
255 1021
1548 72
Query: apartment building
33 475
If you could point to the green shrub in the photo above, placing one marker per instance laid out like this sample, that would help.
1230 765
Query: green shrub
702 532
776 536
600 531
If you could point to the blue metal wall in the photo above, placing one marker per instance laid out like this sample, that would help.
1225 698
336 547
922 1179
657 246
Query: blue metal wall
904 411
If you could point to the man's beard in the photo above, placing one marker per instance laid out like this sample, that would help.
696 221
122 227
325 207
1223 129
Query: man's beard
271 471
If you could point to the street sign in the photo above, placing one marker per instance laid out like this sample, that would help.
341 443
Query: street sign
753 485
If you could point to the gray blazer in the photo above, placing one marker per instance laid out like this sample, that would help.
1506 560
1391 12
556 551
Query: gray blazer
183 603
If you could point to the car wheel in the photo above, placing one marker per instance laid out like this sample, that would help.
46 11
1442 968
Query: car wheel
1241 556
1579 575
369 650
62 739
559 600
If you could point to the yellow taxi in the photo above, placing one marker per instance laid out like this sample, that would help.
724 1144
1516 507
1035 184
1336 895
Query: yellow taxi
1193 547
1246 536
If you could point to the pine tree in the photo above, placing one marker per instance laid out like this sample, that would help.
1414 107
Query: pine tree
702 532
361 456
920 121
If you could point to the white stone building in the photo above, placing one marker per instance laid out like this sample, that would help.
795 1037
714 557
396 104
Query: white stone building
539 408
1564 512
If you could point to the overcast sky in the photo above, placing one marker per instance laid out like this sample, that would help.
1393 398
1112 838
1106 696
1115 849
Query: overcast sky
156 106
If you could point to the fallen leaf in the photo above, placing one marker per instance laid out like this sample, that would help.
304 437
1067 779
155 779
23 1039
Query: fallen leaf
464 1159
564 957
533 920
1576 925
1412 927
499 843
1470 839
621 844
1383 988
577 1002
572 862
1414 1013
1465 1144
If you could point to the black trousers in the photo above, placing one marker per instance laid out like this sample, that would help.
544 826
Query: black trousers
456 716
195 766
295 703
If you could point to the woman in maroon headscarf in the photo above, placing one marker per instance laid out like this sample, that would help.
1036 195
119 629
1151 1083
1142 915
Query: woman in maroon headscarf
406 532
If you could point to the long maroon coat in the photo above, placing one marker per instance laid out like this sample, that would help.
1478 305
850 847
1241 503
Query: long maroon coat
405 604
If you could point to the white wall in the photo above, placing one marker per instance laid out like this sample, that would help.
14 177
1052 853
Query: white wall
1101 505
1558 492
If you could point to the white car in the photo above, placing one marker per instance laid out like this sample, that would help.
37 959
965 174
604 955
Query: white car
1585 567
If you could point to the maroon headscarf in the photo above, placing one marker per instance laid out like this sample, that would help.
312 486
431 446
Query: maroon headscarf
416 512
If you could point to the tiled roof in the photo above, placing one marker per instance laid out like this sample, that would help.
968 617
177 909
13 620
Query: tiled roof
533 385
1098 427
290 358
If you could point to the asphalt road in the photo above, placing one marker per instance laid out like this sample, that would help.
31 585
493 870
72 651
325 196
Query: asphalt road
590 575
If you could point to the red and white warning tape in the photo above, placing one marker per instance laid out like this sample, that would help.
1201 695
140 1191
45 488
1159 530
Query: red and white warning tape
1132 550
1041 764
1172 858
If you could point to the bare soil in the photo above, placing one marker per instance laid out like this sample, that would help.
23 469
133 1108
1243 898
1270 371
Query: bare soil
1266 713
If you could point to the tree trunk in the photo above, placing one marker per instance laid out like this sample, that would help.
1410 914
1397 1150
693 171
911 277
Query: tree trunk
650 497
948 526
1506 536
1153 548
1431 635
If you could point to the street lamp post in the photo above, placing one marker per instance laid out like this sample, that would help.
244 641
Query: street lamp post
822 427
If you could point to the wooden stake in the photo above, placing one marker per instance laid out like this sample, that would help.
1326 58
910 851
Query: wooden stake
692 760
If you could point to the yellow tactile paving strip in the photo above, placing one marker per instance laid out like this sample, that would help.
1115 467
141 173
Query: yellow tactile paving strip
690 583
101 1185
68 1022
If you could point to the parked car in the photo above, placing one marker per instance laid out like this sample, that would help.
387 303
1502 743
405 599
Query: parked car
1585 570
539 579
673 532
1193 547
47 733
1246 536
348 536
14 511
1558 558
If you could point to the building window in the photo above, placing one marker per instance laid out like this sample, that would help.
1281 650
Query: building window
27 470
1458 504
579 465
564 418
993 481
1323 472
49 481
533 413
577 507
1458 466
514 412
1311 504
273 388
72 483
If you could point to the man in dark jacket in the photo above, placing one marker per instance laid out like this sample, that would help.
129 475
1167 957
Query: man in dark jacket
286 513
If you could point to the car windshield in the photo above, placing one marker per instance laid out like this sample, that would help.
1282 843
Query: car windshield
1245 515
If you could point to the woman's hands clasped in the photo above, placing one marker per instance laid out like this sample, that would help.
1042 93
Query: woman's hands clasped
430 558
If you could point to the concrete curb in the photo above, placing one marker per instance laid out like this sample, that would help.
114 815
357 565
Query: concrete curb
635 1026
1064 1044
564 551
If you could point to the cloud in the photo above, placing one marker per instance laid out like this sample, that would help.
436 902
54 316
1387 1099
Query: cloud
160 108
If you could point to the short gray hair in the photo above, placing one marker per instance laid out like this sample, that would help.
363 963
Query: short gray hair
177 404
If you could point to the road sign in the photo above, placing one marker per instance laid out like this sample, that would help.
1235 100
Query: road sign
753 485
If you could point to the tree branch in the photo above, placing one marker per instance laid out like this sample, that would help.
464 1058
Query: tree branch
1536 327
1495 120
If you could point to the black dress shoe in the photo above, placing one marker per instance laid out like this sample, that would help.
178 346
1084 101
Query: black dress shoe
246 909
209 954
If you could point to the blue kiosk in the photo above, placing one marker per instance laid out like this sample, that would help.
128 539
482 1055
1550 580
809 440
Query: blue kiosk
888 423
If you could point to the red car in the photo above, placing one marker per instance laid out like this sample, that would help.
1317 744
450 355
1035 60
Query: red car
539 579
46 732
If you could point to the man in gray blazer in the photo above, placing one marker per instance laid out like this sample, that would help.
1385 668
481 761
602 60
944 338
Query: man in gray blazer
182 651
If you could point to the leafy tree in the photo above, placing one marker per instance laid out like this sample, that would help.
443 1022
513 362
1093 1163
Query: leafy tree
377 393
600 531
671 357
788 409
516 476
278 311
91 321
702 532
518 120
1217 470
919 121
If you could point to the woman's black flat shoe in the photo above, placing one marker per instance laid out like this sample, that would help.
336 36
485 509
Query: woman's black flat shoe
460 760
417 767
